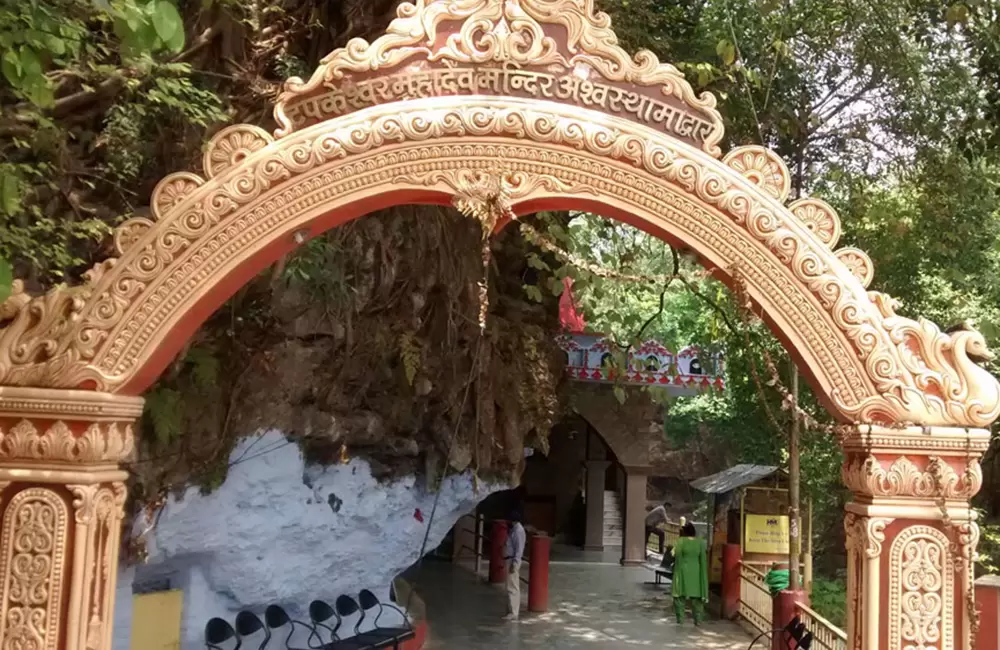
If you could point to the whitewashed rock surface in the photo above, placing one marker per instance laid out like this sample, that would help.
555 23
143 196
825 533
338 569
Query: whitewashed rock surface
278 531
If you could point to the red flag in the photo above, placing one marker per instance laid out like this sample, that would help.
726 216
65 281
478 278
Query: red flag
569 316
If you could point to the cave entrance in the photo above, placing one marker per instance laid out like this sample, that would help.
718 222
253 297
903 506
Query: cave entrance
504 108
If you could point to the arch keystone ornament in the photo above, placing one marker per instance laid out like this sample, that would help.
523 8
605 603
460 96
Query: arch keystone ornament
502 108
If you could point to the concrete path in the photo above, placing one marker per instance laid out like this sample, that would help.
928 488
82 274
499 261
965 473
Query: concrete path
594 604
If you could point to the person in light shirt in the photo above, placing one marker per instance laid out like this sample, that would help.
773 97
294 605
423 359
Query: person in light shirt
513 552
654 517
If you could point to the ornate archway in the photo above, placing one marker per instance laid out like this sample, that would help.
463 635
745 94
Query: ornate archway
533 105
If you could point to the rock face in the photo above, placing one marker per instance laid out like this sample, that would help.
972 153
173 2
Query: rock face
281 531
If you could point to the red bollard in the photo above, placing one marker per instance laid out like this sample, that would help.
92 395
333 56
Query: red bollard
538 574
783 610
498 539
731 557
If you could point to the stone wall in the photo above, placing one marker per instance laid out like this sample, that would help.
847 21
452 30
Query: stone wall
279 531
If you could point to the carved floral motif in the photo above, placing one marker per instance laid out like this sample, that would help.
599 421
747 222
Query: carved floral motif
858 263
173 189
130 232
818 217
231 146
99 443
32 557
904 479
763 168
921 604
488 194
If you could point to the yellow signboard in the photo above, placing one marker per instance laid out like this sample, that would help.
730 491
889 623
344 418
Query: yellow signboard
766 534
156 620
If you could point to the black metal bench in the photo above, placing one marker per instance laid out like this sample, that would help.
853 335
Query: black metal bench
664 573
323 633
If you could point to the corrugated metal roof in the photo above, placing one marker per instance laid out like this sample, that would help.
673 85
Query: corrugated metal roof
732 478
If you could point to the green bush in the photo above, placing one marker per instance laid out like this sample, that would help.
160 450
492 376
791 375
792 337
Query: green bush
829 598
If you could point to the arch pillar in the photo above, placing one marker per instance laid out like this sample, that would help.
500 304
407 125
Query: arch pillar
62 498
911 535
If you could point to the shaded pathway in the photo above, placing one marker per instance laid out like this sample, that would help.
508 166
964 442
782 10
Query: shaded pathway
592 605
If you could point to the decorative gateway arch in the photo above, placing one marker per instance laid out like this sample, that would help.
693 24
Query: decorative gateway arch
522 105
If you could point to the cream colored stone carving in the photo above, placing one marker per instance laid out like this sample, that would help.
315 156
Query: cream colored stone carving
99 443
173 189
16 301
963 547
921 591
871 364
821 219
99 510
865 534
904 479
962 443
32 561
763 168
858 263
127 234
517 32
231 146
487 194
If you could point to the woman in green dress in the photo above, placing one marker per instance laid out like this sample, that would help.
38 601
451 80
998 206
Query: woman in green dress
690 582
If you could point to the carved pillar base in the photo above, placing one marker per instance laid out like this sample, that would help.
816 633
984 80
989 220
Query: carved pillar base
62 498
911 536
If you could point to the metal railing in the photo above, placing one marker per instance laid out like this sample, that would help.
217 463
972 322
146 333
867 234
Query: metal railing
756 611
672 530
476 524
755 599
826 635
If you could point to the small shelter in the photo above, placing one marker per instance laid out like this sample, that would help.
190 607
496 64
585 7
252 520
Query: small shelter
748 505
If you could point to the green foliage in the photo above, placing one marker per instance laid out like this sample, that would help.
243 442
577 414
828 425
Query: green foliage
86 87
6 279
11 190
213 477
410 353
319 266
205 368
829 598
39 37
166 95
164 408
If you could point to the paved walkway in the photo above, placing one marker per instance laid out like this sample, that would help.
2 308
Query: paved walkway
594 604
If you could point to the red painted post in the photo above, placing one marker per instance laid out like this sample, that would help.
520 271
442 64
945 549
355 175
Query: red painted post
498 539
783 610
988 604
538 574
731 556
